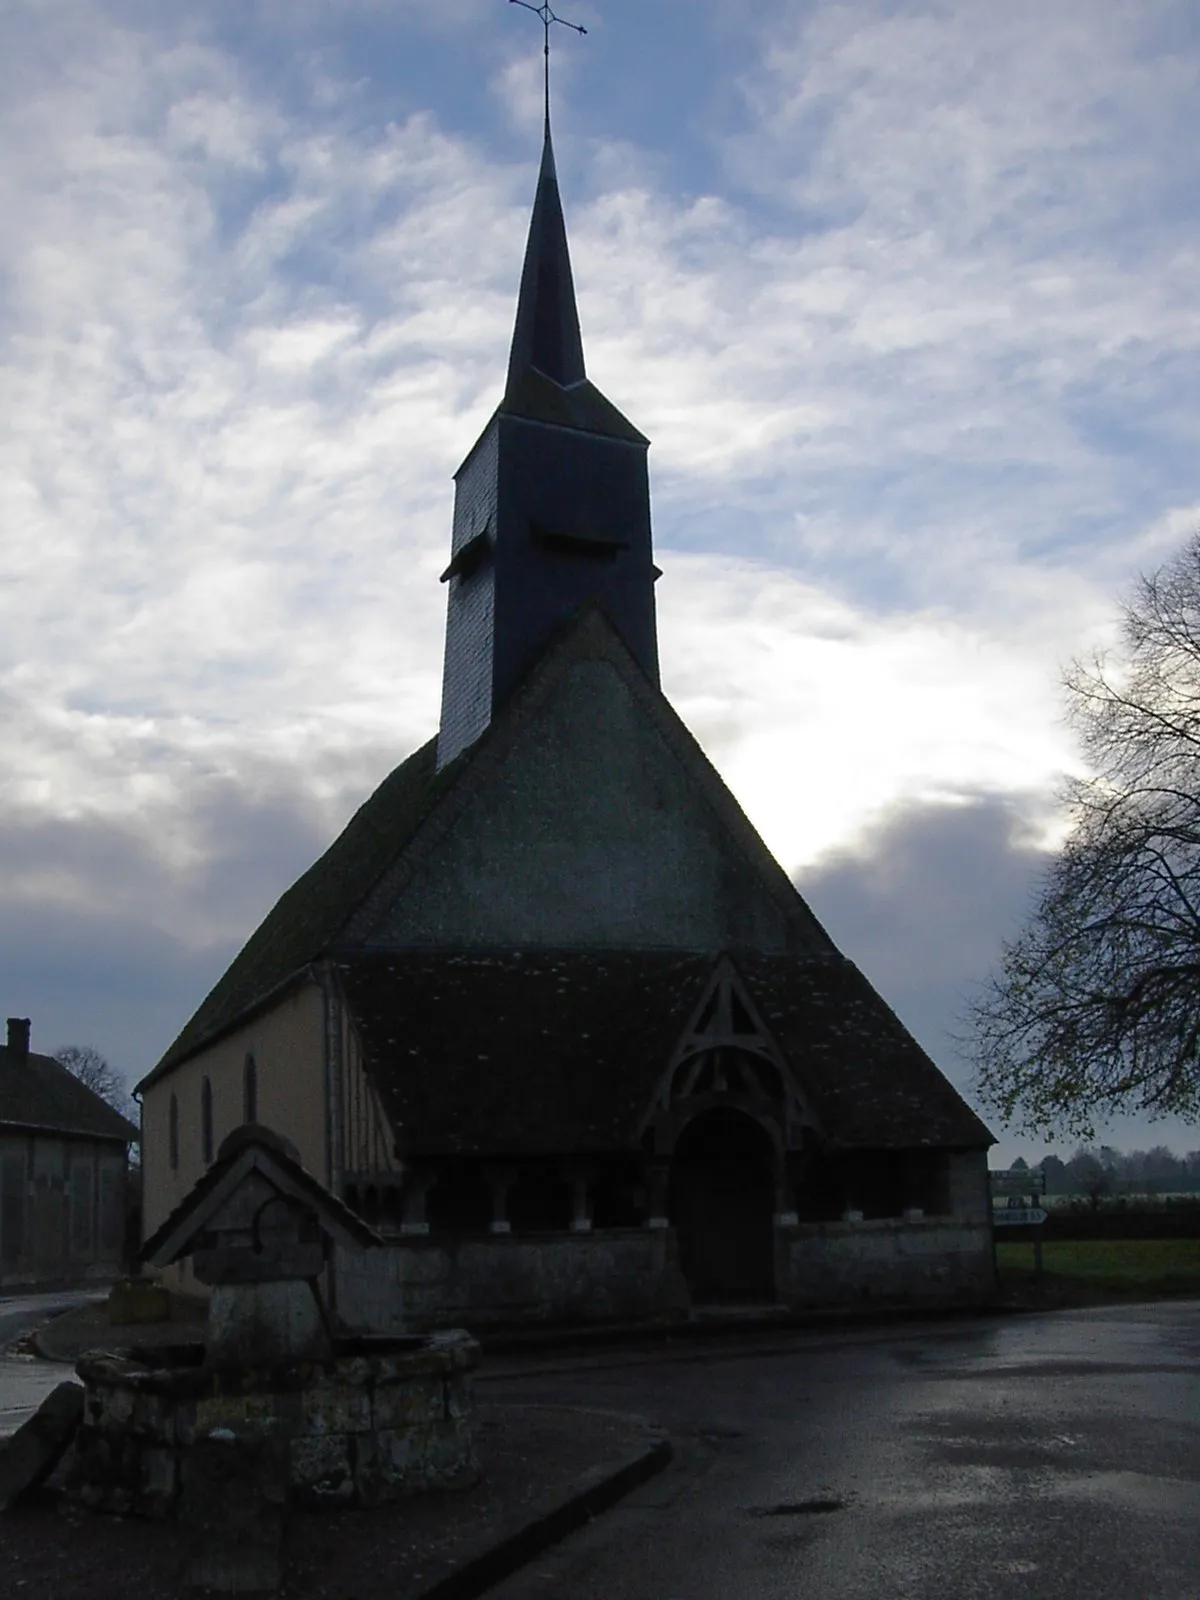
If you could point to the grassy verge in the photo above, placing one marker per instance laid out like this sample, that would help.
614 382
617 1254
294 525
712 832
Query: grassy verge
1091 1270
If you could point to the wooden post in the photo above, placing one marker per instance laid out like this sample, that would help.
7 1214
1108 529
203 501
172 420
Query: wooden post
658 1177
501 1180
581 1201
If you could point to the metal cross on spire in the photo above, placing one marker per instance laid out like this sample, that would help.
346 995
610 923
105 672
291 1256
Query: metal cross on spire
547 17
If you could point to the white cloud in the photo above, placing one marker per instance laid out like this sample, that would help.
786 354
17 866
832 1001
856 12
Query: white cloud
919 374
823 718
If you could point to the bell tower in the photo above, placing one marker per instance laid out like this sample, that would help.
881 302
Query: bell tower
551 506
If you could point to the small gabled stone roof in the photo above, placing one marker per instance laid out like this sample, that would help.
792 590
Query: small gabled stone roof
252 1148
39 1095
469 1054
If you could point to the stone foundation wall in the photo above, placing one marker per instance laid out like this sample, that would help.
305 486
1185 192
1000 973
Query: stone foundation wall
936 1261
363 1429
617 1274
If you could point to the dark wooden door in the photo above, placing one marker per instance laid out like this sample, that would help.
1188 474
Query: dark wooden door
722 1203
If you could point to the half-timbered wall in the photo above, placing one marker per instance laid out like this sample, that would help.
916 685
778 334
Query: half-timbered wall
364 1144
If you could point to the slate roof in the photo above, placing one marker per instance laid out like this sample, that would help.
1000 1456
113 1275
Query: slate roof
308 918
456 1045
546 334
547 380
39 1095
313 918
581 406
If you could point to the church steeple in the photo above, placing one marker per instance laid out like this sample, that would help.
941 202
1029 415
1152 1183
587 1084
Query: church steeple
547 335
551 507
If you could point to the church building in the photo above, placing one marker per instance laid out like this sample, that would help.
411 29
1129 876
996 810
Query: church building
548 1015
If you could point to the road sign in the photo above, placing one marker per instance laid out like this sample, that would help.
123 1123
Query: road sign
1019 1217
1009 1182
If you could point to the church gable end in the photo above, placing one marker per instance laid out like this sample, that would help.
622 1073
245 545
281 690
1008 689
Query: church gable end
585 827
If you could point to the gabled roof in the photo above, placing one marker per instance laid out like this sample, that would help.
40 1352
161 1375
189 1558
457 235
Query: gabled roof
336 899
39 1095
456 1046
248 1149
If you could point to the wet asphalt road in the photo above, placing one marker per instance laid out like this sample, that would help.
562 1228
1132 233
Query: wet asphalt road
25 1382
1054 1456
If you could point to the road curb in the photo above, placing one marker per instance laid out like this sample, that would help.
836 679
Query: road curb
557 1516
36 1348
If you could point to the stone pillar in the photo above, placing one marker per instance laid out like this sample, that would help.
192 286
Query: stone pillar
258 1324
413 1221
785 1196
581 1200
658 1179
967 1181
501 1180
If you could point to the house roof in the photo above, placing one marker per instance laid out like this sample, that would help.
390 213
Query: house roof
457 1047
38 1094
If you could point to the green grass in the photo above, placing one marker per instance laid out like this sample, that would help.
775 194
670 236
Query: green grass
1120 1266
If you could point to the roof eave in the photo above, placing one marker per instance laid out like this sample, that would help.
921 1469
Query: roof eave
265 1001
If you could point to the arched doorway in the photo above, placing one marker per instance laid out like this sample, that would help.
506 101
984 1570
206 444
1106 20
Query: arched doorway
722 1202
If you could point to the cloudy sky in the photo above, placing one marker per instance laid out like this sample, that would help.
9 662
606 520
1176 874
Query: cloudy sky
905 292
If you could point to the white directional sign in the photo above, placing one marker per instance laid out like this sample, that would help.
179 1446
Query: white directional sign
1018 1216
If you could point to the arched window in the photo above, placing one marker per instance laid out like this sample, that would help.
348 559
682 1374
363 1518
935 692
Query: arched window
173 1133
206 1121
250 1088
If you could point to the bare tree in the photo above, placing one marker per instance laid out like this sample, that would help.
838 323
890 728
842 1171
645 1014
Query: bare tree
84 1061
1096 1006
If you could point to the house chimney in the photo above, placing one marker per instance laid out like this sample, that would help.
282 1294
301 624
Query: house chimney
18 1038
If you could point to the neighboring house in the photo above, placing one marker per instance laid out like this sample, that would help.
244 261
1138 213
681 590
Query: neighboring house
548 1013
64 1159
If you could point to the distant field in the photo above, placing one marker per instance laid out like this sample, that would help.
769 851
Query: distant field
1120 1266
1126 1197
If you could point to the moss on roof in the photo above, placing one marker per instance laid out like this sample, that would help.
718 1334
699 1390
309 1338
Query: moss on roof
308 918
545 1052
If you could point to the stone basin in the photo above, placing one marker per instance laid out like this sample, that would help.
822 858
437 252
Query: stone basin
386 1417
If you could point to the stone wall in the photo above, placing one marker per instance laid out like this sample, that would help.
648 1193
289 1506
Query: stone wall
933 1261
617 1274
633 1274
363 1429
970 1195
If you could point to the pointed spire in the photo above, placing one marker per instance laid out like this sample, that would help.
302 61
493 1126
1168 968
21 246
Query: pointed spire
547 332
